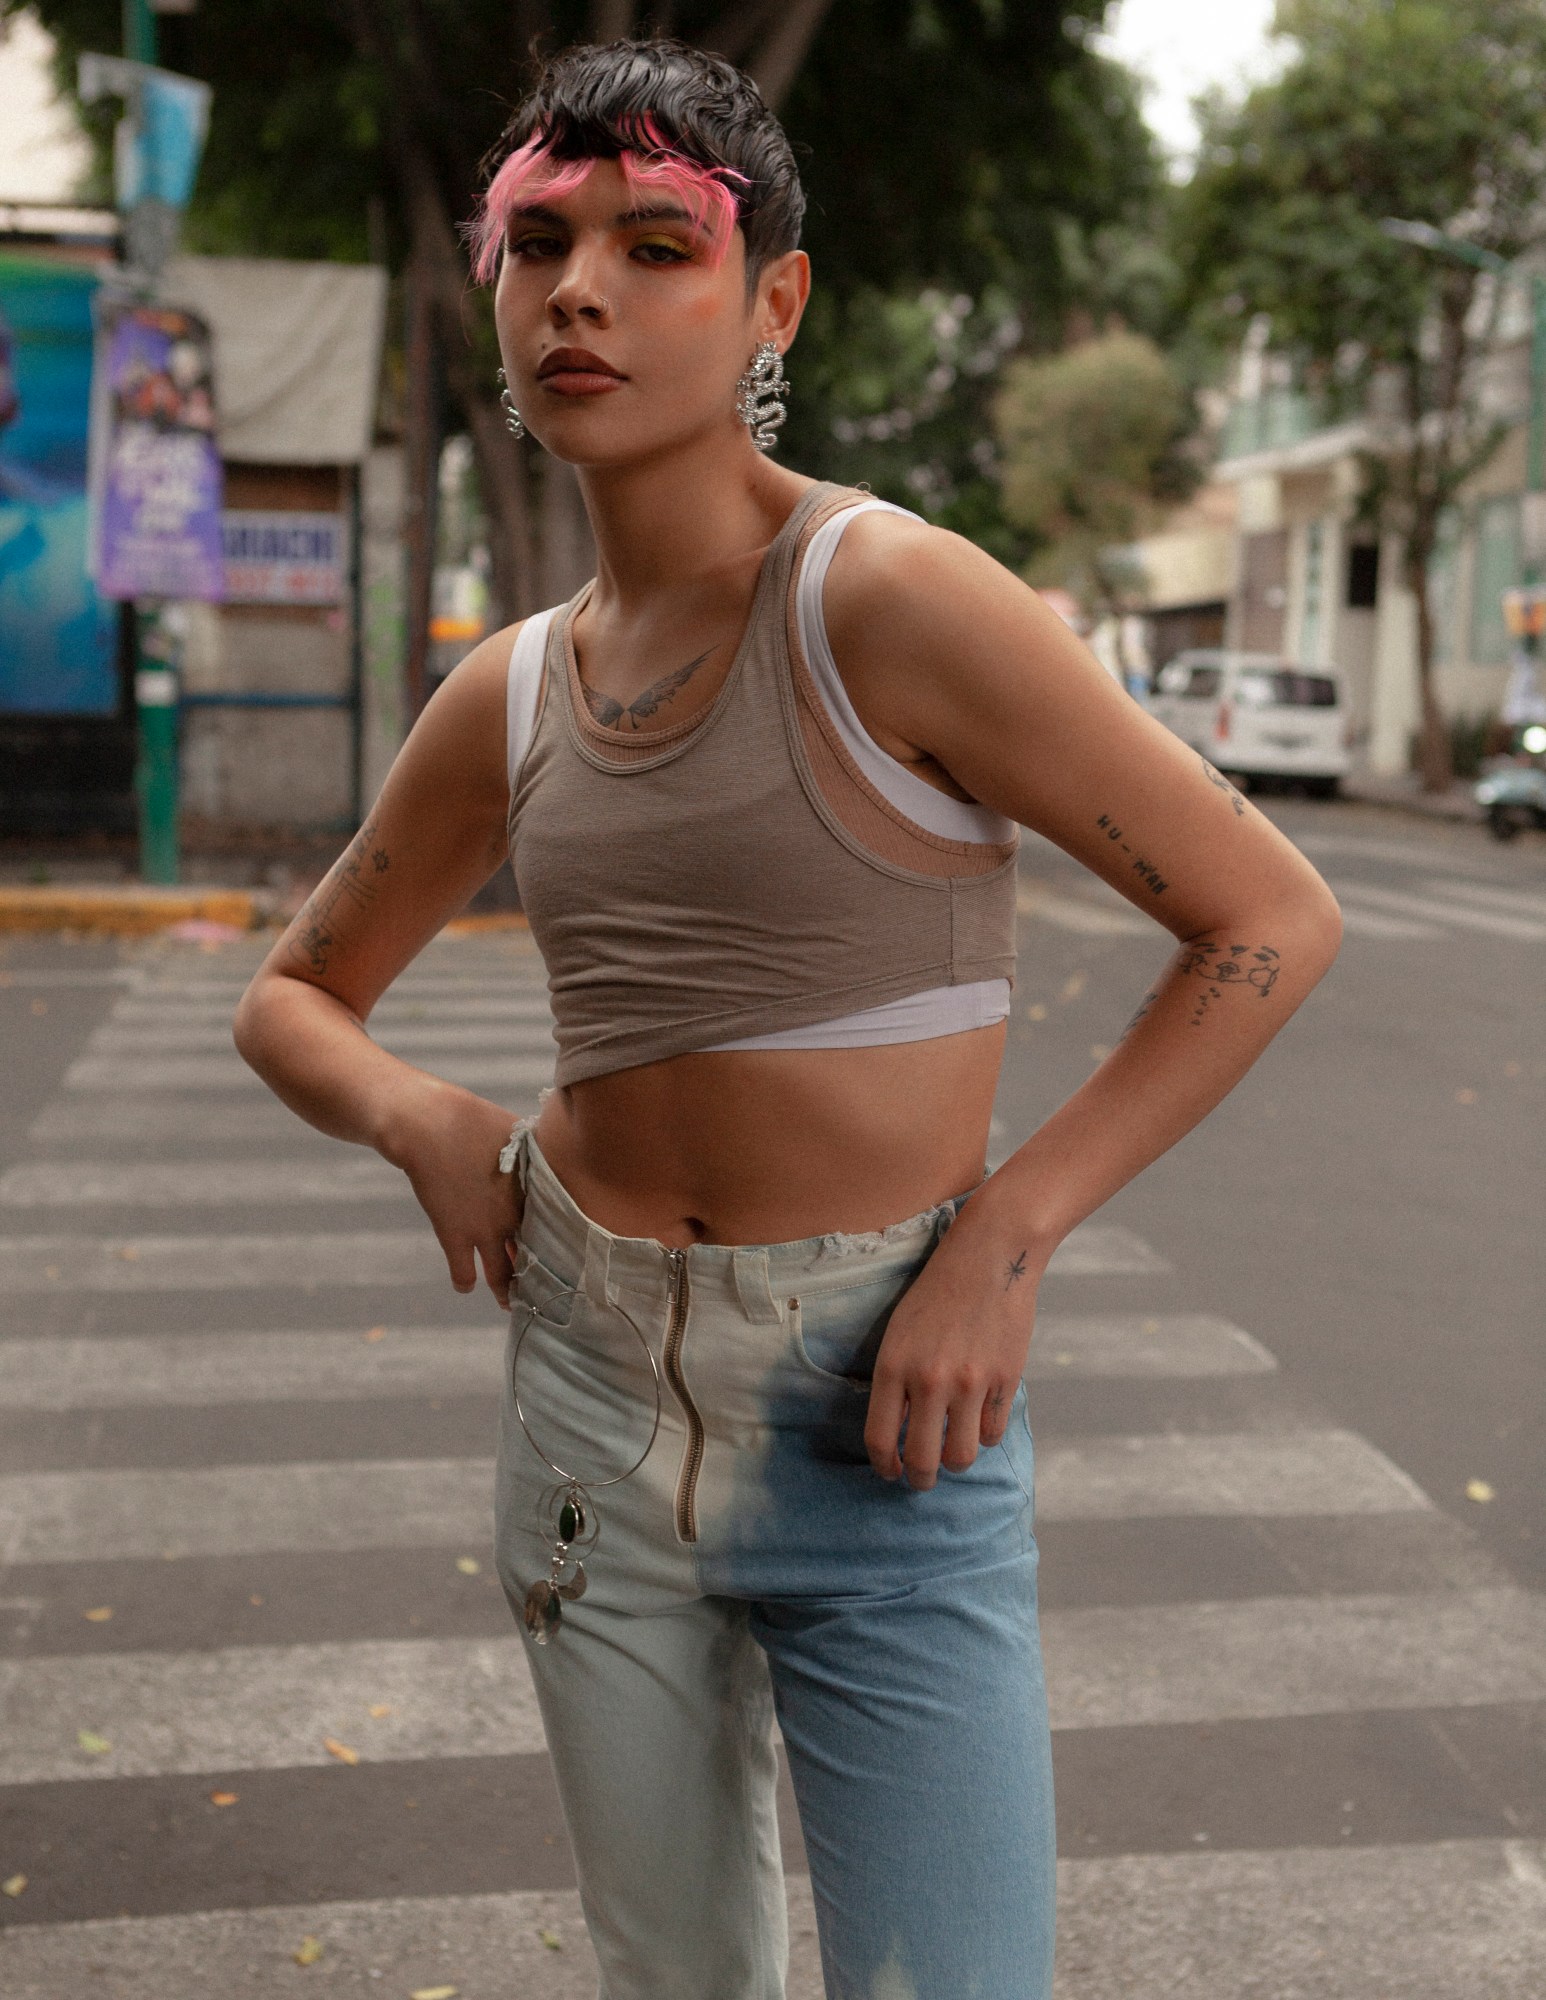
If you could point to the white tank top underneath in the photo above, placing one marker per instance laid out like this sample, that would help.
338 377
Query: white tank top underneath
916 1017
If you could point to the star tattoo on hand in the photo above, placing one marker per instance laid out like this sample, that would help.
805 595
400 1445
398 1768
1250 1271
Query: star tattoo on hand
1014 1268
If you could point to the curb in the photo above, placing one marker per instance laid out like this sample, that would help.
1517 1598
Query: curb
1456 806
133 910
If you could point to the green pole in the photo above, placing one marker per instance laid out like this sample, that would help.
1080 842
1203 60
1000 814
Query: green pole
155 677
1535 476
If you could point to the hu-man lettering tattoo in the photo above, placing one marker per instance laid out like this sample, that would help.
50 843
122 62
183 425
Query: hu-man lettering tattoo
1143 868
1222 784
613 715
1014 1268
1217 965
351 886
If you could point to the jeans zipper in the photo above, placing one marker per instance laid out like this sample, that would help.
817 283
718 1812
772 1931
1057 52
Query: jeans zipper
692 1457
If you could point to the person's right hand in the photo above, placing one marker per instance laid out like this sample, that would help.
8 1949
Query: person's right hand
447 1141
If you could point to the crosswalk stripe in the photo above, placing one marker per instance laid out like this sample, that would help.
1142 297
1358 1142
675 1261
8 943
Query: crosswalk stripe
1162 1344
1494 924
1082 916
135 1120
265 1707
99 1074
1370 923
528 1034
374 1257
363 1257
184 1370
1301 1472
199 1184
1513 901
1277 1656
337 1505
500 1004
1425 1920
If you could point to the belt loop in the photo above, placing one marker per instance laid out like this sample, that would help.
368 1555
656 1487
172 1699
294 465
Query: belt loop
596 1279
749 1269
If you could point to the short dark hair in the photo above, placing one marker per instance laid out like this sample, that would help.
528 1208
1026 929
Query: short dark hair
589 100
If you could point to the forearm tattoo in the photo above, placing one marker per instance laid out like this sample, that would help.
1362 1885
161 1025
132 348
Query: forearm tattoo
353 884
613 715
1014 1268
1216 964
1221 783
1142 1008
1142 867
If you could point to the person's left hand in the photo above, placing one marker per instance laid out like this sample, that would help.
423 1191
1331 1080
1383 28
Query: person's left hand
953 1353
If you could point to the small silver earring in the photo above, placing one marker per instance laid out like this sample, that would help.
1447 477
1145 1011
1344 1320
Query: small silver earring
513 422
760 395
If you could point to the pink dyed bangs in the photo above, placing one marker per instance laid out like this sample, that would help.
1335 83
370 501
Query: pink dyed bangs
651 170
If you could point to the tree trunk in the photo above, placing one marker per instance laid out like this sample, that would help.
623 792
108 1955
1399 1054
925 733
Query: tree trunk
1434 758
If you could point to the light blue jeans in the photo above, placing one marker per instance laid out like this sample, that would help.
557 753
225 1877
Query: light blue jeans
757 1566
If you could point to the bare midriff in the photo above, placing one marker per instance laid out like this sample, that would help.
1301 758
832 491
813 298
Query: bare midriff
774 1145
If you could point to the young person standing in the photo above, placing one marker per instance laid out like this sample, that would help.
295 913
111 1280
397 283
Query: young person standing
765 1445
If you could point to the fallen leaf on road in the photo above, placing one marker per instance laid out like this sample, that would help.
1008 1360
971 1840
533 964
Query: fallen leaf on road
1073 986
255 1599
129 1252
50 1270
434 1993
1099 1051
380 1708
1478 1489
13 1884
1513 1069
374 1333
40 1006
308 1951
222 1798
88 1739
468 1565
100 1615
1036 1012
1465 1096
340 1750
552 1940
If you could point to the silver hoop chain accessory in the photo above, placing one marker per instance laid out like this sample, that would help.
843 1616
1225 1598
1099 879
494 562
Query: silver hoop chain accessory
566 1512
513 423
760 395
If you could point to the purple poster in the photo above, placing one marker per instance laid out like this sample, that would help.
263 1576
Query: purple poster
159 521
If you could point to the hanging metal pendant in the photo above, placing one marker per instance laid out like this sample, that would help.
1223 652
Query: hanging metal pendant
543 1611
575 1587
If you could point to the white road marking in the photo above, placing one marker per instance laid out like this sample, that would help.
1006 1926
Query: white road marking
365 1257
184 1370
1271 1473
1511 901
355 1175
1263 1657
1159 1344
228 1072
1425 907
253 1708
226 1118
1103 1249
527 1035
1083 916
1369 923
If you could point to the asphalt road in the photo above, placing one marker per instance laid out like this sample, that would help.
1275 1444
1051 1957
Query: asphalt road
258 1684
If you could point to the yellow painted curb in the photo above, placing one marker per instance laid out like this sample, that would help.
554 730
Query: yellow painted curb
129 910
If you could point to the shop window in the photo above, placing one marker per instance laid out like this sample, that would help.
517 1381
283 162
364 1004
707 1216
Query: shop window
1496 568
1363 576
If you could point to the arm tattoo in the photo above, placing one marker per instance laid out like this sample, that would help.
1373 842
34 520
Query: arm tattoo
1217 965
1217 779
1143 1007
352 884
996 1401
1142 867
1014 1268
613 715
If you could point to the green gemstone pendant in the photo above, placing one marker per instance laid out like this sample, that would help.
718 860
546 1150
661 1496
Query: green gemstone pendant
571 1520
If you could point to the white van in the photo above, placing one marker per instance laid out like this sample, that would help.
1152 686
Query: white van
1257 715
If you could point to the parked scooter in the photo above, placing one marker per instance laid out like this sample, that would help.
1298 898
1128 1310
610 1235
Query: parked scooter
1512 789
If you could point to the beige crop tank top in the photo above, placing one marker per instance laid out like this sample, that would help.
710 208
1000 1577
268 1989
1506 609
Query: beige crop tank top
736 874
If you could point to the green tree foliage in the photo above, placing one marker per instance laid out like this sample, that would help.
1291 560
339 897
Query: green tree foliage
966 162
1426 110
1091 442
